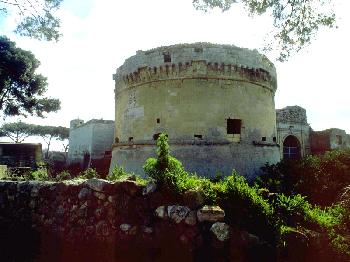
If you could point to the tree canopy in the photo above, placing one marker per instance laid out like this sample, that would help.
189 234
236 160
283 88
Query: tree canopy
37 17
17 131
51 132
21 88
296 22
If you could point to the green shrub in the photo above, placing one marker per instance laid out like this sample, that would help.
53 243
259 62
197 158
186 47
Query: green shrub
89 173
246 207
119 174
166 170
325 217
290 209
64 175
320 178
41 174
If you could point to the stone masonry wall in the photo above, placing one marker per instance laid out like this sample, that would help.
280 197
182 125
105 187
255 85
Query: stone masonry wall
95 220
218 97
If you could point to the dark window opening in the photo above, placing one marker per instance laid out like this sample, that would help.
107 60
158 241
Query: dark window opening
187 63
198 136
339 139
158 120
263 138
274 139
234 126
291 148
131 139
155 136
198 49
116 140
167 58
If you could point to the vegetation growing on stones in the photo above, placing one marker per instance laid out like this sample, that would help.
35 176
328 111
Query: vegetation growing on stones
285 220
89 173
118 174
271 218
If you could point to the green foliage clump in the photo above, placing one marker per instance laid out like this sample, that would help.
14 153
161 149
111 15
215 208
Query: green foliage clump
64 175
89 173
290 209
244 204
166 170
22 89
119 174
41 174
320 178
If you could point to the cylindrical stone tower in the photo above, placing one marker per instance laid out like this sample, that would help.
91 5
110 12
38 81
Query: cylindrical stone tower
215 102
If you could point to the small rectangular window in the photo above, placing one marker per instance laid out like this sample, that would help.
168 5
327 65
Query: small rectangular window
198 137
198 49
234 126
158 120
131 139
274 139
263 138
167 58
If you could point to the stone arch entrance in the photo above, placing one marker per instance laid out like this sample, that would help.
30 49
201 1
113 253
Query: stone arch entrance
291 148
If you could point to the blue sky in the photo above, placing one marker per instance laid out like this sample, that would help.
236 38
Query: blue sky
99 35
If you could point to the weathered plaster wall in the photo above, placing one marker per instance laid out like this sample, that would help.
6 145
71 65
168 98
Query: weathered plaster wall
205 159
93 137
80 141
194 95
103 135
95 220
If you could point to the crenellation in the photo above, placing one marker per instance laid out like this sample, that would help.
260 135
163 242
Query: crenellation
198 68
197 91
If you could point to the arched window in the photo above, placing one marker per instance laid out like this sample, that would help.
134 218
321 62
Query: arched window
291 148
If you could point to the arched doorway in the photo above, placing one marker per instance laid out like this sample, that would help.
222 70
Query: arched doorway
291 148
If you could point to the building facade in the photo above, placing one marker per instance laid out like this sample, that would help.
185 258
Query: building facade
329 139
20 154
215 102
293 132
89 142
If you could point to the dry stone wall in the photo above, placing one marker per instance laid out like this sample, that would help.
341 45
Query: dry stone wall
95 220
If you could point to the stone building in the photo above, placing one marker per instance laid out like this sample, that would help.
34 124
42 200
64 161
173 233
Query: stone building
90 142
329 139
20 154
293 132
215 102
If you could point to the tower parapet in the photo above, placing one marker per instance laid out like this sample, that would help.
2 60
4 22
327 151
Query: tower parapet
215 102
